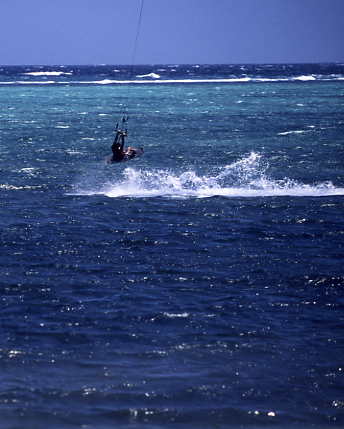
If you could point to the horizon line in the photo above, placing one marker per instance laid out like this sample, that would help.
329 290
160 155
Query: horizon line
167 64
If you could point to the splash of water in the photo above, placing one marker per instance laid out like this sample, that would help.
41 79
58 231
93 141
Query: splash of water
246 177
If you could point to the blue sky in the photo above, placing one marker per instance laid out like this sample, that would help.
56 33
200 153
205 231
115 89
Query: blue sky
172 31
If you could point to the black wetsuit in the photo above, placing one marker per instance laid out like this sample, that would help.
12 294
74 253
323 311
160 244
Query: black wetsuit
117 147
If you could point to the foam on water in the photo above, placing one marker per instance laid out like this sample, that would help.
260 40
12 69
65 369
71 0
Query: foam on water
244 178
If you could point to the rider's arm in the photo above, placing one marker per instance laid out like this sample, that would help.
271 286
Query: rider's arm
122 142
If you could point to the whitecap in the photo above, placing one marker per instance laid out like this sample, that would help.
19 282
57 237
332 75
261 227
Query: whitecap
304 78
48 73
176 315
285 133
30 171
74 152
14 353
104 81
151 75
7 187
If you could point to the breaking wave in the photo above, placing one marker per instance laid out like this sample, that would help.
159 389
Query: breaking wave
48 73
151 75
155 79
244 178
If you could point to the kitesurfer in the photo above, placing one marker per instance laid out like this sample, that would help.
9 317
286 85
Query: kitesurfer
118 153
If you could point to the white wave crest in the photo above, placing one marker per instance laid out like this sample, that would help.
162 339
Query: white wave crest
48 73
305 78
155 80
245 178
151 75
285 133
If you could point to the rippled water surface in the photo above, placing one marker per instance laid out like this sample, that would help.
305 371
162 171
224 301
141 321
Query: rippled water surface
198 286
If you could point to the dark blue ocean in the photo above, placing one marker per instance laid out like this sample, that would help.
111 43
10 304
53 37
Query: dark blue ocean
199 286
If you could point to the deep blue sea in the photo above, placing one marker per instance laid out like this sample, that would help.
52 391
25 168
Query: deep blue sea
199 286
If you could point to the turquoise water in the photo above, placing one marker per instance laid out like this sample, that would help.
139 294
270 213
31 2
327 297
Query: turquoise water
200 285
